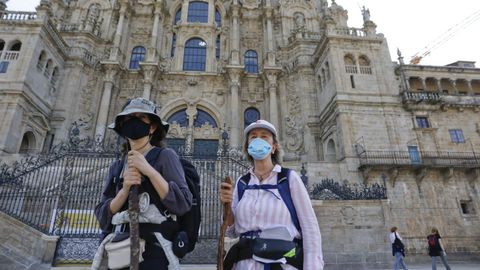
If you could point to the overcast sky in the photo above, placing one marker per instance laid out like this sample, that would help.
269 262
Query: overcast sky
410 25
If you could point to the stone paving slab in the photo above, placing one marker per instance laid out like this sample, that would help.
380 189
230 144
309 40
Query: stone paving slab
454 266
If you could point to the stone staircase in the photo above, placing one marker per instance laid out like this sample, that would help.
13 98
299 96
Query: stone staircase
22 247
13 259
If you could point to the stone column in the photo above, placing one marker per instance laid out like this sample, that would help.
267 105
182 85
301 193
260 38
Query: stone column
424 84
118 33
270 49
149 71
183 17
152 51
439 85
111 71
234 75
211 12
454 85
271 76
235 55
470 88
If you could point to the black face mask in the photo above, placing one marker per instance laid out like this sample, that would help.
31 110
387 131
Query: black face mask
134 128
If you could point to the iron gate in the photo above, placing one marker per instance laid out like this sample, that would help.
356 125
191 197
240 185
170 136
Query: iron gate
57 192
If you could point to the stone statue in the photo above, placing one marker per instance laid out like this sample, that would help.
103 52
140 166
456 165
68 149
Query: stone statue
365 14
299 21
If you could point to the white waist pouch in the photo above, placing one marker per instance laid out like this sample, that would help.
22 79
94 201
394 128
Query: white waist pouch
119 253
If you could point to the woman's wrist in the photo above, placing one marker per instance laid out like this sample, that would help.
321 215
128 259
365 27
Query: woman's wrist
151 172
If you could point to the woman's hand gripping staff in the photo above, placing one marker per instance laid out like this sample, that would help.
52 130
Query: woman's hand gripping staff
226 197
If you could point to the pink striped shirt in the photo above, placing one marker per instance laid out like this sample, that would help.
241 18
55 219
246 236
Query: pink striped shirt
260 209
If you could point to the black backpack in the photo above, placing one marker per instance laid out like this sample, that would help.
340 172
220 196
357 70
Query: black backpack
190 221
184 242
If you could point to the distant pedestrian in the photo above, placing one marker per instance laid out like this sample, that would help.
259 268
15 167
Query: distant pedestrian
398 249
436 249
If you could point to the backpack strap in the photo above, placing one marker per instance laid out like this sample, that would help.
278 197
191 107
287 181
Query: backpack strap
242 185
283 189
117 170
153 154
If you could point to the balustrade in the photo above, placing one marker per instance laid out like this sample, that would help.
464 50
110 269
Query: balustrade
421 96
356 32
17 16
420 158
365 70
10 55
351 69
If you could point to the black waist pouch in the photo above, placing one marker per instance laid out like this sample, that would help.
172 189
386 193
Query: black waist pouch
274 249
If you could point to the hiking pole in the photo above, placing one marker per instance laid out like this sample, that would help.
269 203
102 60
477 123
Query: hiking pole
133 211
227 211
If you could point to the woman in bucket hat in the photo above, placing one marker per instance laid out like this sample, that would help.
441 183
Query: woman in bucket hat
262 209
162 186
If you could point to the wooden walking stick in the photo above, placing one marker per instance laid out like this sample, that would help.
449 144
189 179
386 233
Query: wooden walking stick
133 211
227 211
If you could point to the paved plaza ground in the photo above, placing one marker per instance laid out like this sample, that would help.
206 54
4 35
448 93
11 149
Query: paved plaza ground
454 266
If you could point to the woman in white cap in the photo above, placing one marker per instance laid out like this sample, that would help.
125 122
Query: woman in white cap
266 207
158 172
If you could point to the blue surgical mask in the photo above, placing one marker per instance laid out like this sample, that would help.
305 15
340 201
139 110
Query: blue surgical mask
259 149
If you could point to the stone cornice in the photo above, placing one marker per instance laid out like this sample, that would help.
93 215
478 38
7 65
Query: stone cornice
55 36
446 69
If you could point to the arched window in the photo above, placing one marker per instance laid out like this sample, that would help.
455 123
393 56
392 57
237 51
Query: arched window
16 46
331 152
217 47
174 45
195 55
218 18
2 44
250 115
350 65
55 75
251 61
48 68
138 55
180 117
204 118
348 59
363 61
198 12
41 60
364 64
28 143
178 16
93 14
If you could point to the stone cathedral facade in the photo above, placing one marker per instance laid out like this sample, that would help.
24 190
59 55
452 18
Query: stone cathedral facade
342 107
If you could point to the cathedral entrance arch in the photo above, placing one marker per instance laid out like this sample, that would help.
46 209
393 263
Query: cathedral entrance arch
193 131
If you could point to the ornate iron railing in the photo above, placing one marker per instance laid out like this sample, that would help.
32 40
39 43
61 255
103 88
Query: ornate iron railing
56 192
420 158
328 189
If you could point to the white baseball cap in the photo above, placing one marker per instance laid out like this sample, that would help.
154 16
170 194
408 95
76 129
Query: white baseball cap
260 124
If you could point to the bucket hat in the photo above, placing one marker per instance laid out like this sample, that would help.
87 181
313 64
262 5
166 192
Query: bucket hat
260 124
138 105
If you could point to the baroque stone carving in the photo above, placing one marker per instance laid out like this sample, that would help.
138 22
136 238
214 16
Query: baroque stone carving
176 131
349 215
294 130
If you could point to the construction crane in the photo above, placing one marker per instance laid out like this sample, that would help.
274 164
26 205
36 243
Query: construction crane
443 38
